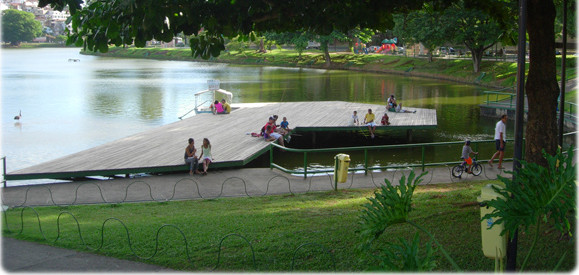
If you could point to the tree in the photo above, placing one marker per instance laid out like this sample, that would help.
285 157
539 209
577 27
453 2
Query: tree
19 26
571 18
474 28
325 41
360 35
299 39
541 87
427 26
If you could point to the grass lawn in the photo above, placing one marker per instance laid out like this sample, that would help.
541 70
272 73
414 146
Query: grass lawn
325 223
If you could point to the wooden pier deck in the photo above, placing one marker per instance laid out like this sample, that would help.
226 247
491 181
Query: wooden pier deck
162 149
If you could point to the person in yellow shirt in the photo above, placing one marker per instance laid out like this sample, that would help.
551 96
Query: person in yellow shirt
226 107
369 121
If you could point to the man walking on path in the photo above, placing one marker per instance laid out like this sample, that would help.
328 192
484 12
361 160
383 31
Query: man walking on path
500 136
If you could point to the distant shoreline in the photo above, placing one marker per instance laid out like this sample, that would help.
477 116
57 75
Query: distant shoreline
494 74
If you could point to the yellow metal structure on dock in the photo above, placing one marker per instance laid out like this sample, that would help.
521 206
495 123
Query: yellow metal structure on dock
162 149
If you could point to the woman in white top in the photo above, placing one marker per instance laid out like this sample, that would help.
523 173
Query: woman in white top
206 155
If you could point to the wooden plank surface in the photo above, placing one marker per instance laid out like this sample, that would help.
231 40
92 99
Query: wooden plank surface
165 146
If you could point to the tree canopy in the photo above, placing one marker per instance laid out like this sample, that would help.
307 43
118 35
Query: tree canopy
102 23
19 26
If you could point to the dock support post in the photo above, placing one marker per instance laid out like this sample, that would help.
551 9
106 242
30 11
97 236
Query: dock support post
314 139
409 135
305 165
4 171
423 155
270 157
365 162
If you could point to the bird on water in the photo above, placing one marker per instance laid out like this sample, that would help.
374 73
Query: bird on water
18 116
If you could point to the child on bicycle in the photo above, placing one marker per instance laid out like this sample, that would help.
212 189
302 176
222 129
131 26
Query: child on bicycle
466 151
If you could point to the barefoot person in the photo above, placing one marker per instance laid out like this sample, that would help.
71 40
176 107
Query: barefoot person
191 157
500 140
369 121
206 156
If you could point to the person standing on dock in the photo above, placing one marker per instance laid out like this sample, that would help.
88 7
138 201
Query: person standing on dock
206 156
191 157
500 140
369 121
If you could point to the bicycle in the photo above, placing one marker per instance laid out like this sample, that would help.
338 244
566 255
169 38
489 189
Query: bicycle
457 170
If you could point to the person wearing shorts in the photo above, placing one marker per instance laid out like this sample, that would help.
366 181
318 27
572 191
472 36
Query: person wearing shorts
466 151
500 141
270 135
369 121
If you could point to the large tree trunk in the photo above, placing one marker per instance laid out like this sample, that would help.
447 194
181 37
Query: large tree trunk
476 58
324 46
262 47
541 88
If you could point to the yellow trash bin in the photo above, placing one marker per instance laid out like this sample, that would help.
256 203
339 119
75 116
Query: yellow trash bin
493 244
341 171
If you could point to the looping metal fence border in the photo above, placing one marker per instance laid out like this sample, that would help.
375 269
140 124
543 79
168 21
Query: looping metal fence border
26 196
136 182
102 239
313 244
183 180
232 178
83 184
243 238
279 176
390 175
59 222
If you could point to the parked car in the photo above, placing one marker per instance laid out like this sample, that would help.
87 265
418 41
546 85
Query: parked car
313 45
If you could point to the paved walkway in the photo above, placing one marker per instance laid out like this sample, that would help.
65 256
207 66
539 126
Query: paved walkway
22 256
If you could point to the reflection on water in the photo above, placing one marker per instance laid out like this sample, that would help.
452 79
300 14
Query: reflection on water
72 106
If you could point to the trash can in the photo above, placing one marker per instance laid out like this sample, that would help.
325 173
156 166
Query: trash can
341 170
493 244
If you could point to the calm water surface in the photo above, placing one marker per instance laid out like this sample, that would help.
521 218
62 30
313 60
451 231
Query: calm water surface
71 106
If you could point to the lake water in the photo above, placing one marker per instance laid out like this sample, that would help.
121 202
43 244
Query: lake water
72 106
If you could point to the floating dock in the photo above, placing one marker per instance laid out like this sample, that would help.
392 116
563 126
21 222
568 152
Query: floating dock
161 150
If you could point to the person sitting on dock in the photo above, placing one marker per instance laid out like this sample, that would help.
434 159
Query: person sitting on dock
191 157
226 106
277 128
271 123
354 119
206 156
392 103
217 107
270 135
369 121
285 124
400 110
385 119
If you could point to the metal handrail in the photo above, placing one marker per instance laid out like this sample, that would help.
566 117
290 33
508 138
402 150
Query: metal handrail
365 167
511 104
181 117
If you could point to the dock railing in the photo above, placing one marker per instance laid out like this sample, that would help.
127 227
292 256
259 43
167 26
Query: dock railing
181 117
366 167
508 101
